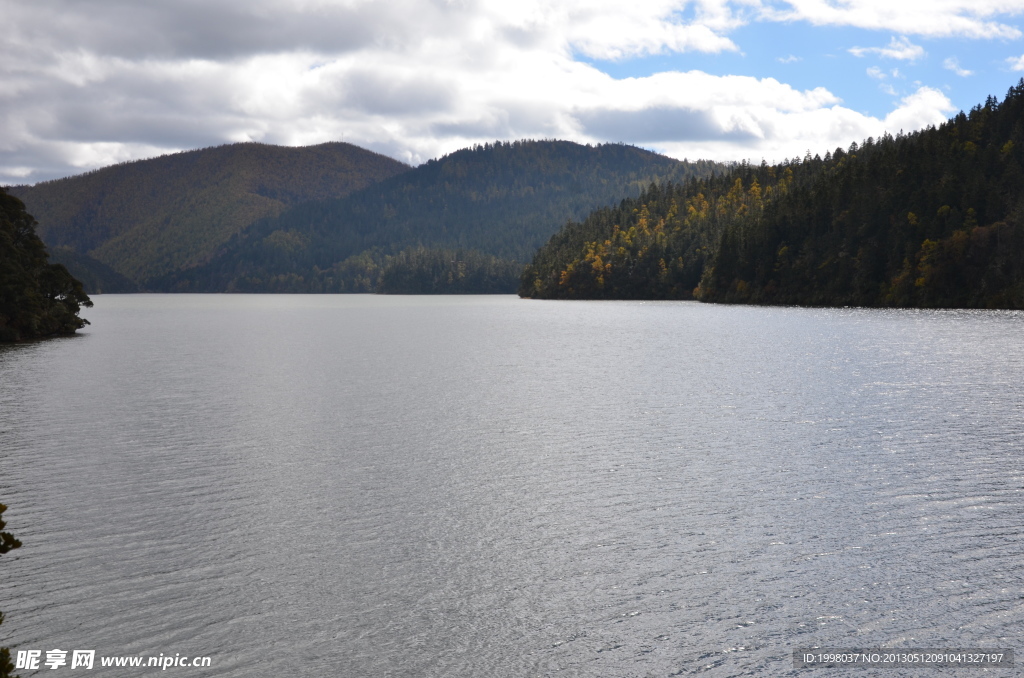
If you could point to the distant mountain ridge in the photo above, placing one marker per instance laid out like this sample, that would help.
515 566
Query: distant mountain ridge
496 200
150 217
334 217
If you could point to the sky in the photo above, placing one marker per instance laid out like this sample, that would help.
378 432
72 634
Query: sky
89 83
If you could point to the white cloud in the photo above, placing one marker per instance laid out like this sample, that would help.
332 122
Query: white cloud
789 59
1016 63
877 73
978 19
412 78
789 134
898 48
84 83
927 106
953 64
615 35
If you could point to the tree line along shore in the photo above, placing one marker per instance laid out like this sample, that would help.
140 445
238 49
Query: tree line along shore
934 218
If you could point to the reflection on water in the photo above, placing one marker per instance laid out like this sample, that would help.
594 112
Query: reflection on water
442 486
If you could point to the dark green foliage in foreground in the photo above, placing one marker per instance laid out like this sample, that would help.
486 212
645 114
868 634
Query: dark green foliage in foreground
7 543
930 219
502 199
6 665
37 298
7 540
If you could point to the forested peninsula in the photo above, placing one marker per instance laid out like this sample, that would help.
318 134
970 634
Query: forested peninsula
37 298
934 218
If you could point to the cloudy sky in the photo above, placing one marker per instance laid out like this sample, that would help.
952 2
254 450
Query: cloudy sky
87 83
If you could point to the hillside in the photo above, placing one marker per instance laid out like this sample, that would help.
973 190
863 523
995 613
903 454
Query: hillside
930 219
150 217
497 200
96 277
37 298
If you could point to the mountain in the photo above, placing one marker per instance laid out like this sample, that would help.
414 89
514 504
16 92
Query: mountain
500 200
930 219
37 298
150 217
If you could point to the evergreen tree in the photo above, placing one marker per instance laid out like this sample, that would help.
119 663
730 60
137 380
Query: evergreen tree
37 299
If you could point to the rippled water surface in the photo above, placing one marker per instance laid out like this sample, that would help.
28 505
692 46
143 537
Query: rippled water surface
486 486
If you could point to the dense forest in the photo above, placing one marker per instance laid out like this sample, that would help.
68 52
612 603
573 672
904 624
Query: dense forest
149 217
423 271
500 200
928 219
37 298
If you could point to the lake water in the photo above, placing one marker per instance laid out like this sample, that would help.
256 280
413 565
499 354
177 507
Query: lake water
488 486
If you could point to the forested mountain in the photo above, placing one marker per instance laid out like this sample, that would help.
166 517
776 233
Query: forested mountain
151 217
500 200
930 219
37 298
96 277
